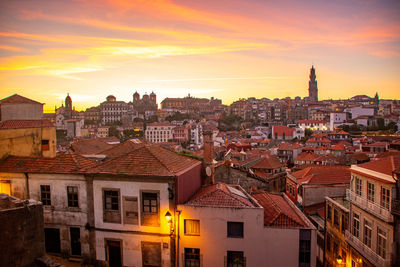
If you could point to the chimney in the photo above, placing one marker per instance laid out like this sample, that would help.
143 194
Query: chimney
208 157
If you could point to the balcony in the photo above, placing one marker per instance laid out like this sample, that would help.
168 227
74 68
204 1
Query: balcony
367 252
368 206
396 207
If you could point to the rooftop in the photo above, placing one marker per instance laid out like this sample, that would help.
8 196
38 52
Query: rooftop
320 175
20 124
221 195
18 99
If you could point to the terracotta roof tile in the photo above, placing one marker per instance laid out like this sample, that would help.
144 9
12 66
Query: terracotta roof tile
121 149
90 146
277 211
18 124
221 195
65 162
384 165
148 160
323 175
269 162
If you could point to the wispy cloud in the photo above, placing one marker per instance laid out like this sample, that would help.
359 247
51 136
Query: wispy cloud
223 79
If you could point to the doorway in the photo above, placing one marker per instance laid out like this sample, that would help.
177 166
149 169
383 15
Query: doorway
113 250
75 237
52 240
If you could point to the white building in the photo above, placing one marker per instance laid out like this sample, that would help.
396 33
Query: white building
315 125
112 110
337 119
222 225
359 111
159 132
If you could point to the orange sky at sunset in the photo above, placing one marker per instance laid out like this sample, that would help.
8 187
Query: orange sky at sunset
227 49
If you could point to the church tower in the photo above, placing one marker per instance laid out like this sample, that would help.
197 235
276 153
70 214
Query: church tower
68 102
312 86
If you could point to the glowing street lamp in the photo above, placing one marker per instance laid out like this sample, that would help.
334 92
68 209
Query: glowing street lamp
168 216
339 259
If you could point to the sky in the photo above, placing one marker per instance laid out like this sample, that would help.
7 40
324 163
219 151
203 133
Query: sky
227 49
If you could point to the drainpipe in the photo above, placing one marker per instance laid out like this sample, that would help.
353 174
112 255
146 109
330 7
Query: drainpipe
27 185
178 237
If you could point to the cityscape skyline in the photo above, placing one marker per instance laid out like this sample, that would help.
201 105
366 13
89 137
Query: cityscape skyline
93 49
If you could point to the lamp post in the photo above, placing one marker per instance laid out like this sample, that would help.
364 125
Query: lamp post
168 217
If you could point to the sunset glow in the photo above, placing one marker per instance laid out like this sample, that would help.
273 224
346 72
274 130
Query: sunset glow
226 49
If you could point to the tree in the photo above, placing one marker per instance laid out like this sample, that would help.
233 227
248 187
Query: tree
381 123
113 132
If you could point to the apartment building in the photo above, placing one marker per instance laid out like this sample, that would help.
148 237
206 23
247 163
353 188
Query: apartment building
159 132
371 195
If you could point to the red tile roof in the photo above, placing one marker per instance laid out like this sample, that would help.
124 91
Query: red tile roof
306 156
221 195
19 124
121 149
148 160
89 146
289 146
311 121
18 99
280 130
65 162
384 165
269 162
319 175
277 211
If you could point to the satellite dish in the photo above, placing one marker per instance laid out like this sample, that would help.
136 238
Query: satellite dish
208 171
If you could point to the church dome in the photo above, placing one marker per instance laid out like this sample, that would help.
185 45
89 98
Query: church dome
111 98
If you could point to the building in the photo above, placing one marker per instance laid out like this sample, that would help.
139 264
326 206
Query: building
60 185
371 233
159 132
314 125
103 131
337 119
112 110
17 107
287 152
146 107
312 184
27 138
336 224
222 225
21 227
131 195
312 86
270 169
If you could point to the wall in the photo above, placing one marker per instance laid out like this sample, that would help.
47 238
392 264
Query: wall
27 142
188 183
21 112
17 182
316 194
228 175
59 215
22 235
213 241
130 234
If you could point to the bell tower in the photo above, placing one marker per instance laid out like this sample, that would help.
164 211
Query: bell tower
312 86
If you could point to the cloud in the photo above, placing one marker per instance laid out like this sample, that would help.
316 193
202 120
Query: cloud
223 79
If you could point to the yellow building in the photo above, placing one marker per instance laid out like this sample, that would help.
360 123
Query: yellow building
35 138
371 222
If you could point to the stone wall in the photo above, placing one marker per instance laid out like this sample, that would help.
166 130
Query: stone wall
22 235
229 175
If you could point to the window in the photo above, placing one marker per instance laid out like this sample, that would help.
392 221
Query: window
150 203
305 247
150 208
192 227
367 233
192 257
329 213
358 186
45 145
371 192
45 195
344 222
385 197
235 229
235 259
336 218
356 225
111 210
111 200
72 194
381 244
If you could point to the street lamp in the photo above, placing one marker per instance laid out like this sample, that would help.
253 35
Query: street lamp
168 217
339 260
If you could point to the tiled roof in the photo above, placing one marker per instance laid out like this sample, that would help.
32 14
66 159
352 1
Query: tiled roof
121 149
269 162
306 156
221 195
311 121
384 165
19 124
160 124
338 147
323 175
65 162
315 140
89 146
277 211
289 146
18 99
280 130
148 160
